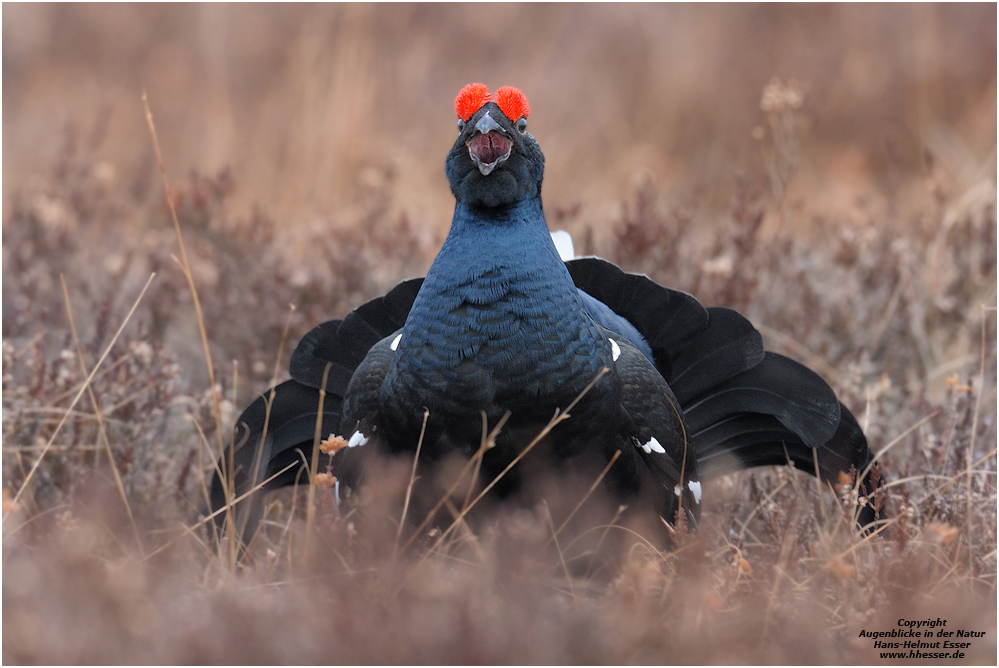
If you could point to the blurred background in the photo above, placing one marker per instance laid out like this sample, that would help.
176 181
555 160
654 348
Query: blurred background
829 170
306 143
754 155
309 104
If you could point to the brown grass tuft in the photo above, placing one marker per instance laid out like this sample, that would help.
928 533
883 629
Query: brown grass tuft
827 170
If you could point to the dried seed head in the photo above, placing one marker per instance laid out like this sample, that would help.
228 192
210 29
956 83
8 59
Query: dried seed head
839 568
779 96
8 503
941 533
333 444
325 480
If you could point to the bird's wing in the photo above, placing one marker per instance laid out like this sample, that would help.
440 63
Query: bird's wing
655 429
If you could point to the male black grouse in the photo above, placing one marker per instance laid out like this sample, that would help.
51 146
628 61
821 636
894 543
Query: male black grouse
502 324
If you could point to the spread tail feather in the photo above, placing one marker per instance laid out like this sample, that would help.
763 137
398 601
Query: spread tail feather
742 406
273 441
777 386
746 440
344 343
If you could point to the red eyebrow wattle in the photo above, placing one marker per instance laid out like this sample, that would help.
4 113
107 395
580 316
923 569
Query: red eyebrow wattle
470 99
513 103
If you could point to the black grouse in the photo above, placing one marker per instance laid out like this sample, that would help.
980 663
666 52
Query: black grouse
501 324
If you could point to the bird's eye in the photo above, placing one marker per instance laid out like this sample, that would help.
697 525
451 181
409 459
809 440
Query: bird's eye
522 125
461 125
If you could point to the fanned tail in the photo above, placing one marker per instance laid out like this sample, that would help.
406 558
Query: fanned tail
272 447
274 438
742 406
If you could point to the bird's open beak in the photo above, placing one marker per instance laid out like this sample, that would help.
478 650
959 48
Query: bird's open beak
489 146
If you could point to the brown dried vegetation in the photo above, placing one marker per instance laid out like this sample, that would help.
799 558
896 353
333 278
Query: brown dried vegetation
847 206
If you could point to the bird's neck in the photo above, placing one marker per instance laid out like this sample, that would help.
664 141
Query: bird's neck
503 259
513 240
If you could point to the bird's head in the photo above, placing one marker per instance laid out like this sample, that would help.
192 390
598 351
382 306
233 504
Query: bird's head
495 161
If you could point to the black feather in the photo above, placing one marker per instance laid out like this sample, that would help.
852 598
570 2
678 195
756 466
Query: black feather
346 342
778 386
314 351
664 317
727 346
271 435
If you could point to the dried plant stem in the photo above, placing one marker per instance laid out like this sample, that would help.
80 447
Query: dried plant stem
752 513
974 419
478 459
561 554
83 388
556 419
593 487
412 479
485 445
617 515
71 391
190 530
102 431
780 572
186 269
262 450
860 543
310 511
818 487
683 463
284 337
895 441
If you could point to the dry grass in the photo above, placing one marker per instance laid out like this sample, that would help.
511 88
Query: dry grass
830 171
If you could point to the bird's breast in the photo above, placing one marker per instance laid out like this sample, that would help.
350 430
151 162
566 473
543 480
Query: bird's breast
491 340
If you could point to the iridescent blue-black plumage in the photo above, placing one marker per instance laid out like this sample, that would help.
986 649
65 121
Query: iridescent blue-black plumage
501 324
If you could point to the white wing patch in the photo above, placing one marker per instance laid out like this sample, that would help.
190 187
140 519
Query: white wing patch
615 350
563 243
357 439
695 488
653 446
395 342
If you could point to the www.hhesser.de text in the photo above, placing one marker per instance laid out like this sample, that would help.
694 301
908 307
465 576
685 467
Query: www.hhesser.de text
923 628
